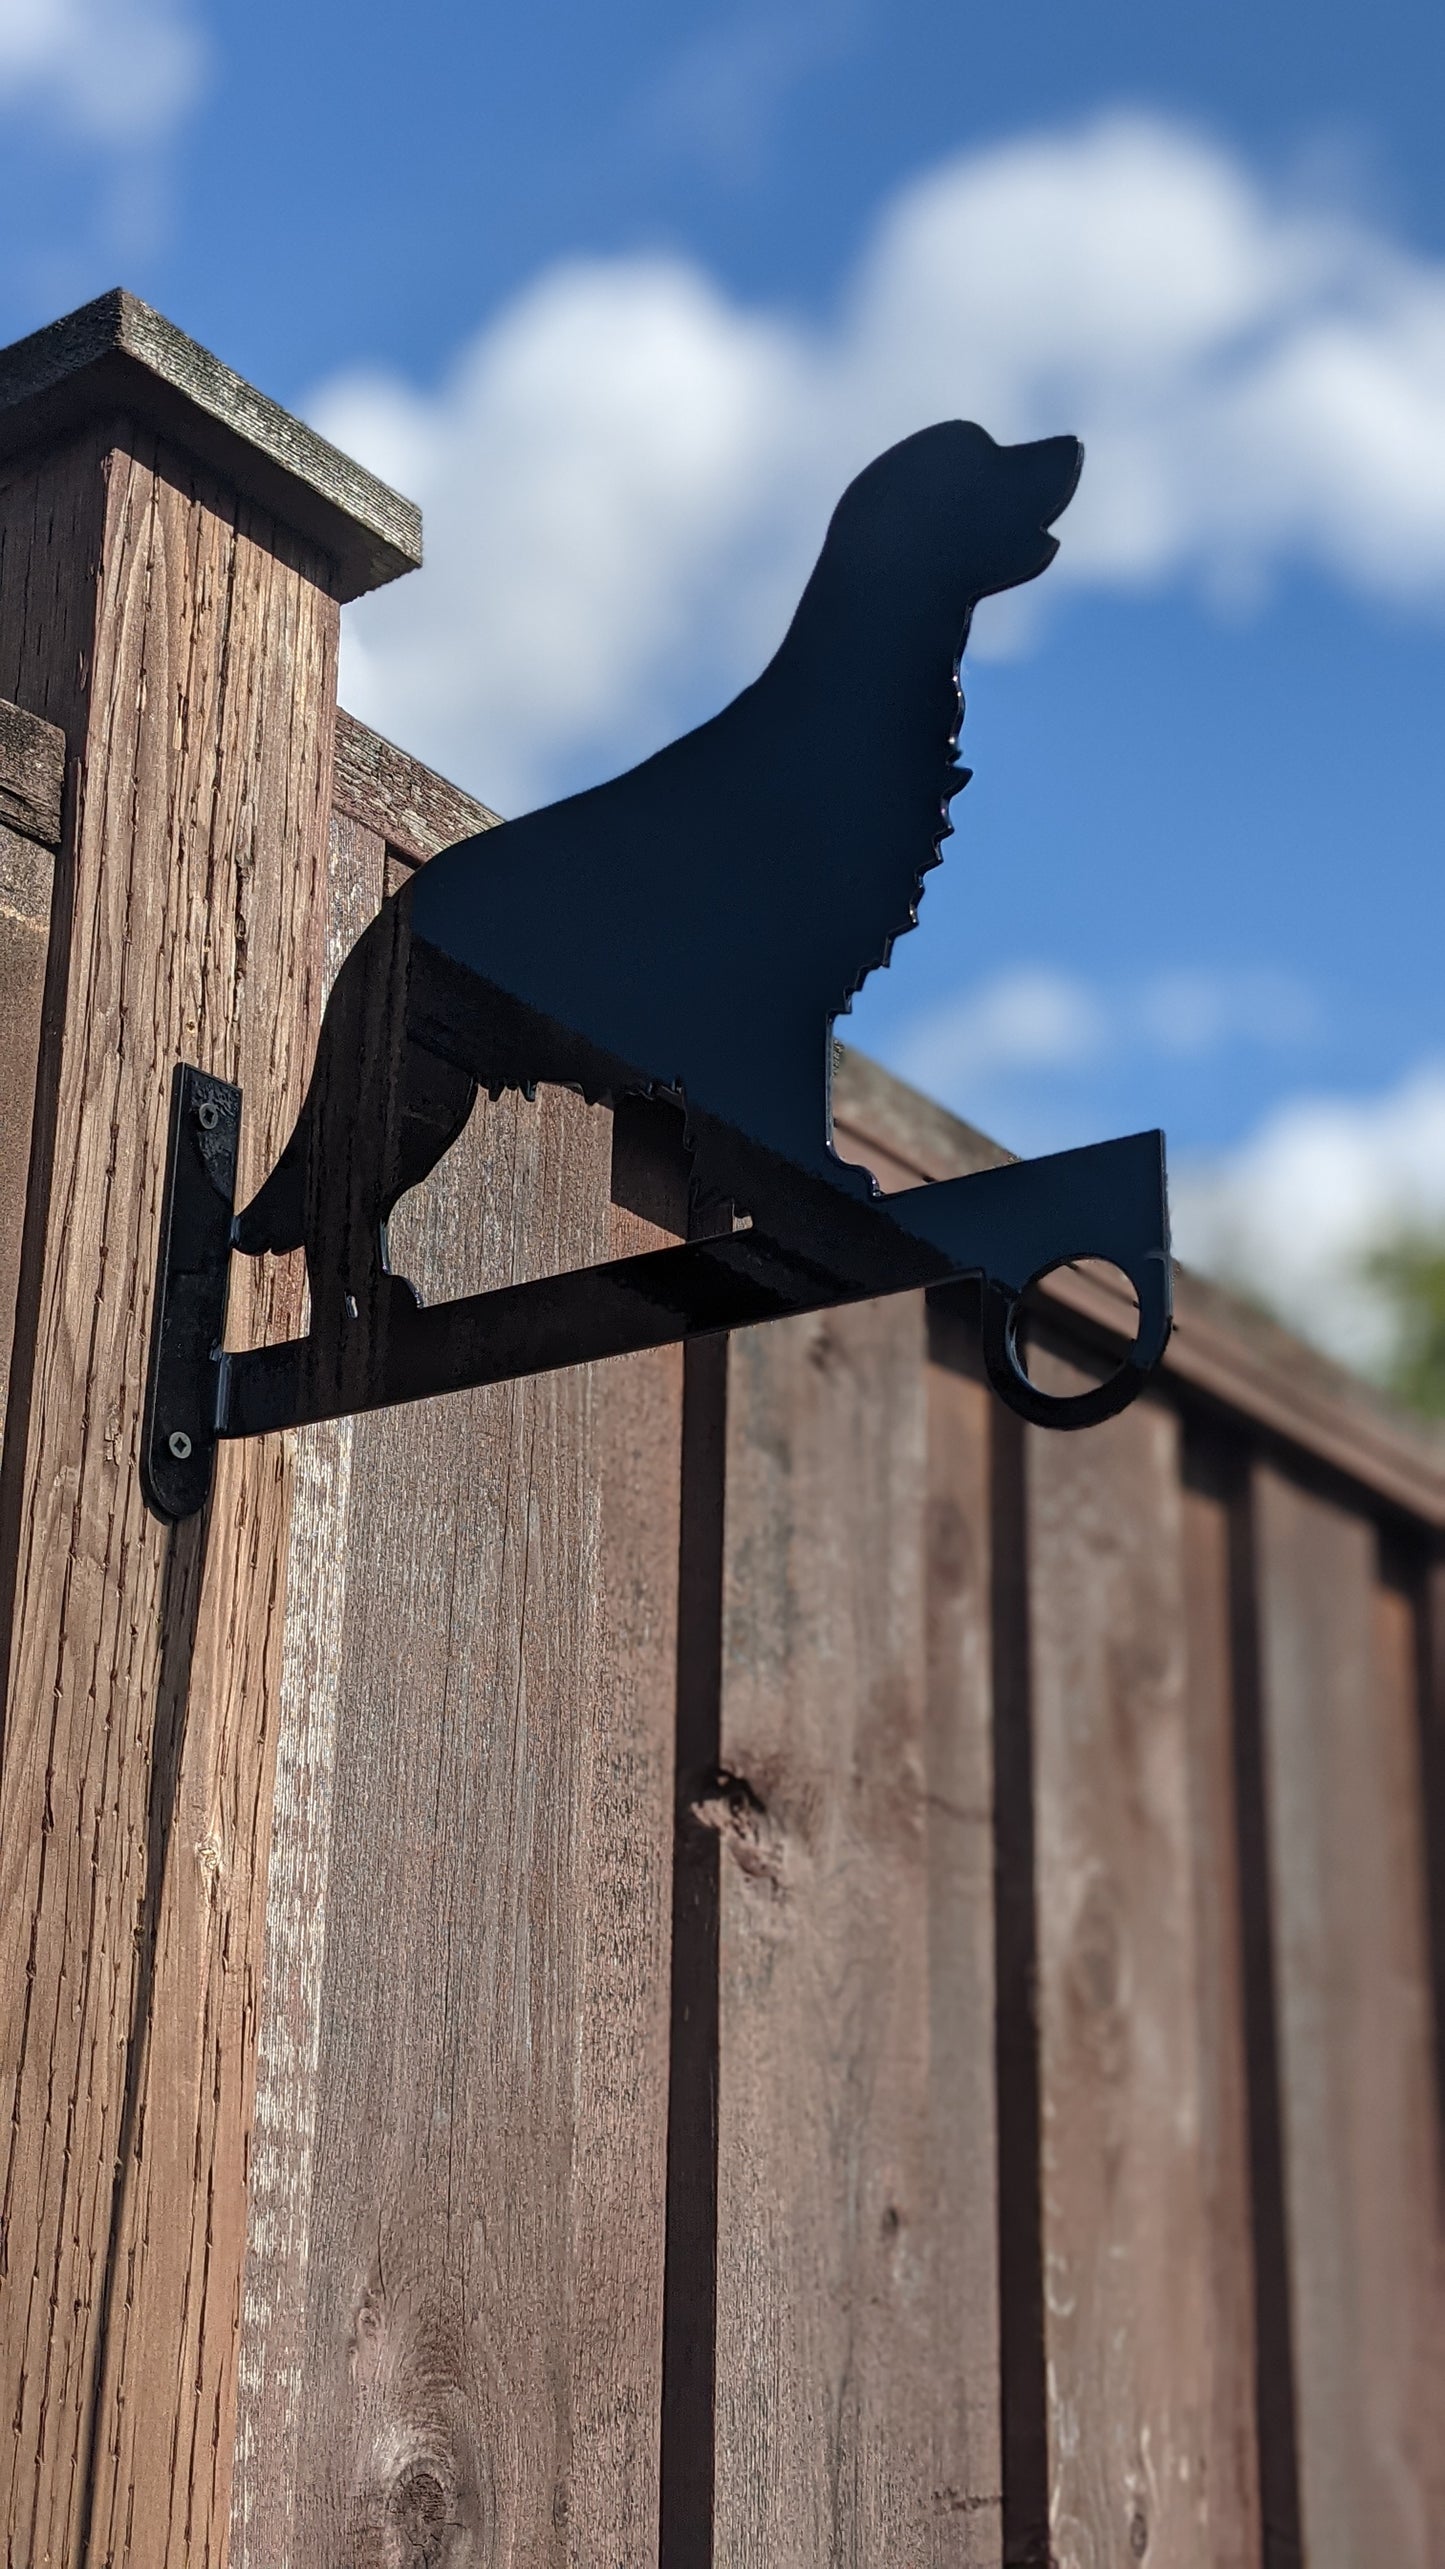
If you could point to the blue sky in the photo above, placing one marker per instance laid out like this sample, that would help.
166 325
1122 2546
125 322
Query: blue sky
622 295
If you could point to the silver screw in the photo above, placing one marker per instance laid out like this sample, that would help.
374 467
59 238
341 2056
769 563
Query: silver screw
179 1444
208 1116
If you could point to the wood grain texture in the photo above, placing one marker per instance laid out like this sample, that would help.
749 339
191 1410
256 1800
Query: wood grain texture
27 879
188 648
1127 2256
1233 2490
32 776
272 2333
963 2258
1338 1687
485 2265
1023 2352
827 2429
385 790
1430 1573
453 2326
117 358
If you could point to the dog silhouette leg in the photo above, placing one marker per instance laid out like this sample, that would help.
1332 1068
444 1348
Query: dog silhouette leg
380 1112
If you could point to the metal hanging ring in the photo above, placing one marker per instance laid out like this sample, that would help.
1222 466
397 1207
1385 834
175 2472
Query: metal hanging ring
1002 1313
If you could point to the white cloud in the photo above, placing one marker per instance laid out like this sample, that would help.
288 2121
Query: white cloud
1028 1019
588 462
626 474
116 71
1189 1012
1033 1020
1294 1213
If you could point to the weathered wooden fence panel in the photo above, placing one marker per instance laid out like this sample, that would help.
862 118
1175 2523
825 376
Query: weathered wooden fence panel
825 2367
463 2107
1126 2250
966 2495
1232 2488
1339 1701
733 1962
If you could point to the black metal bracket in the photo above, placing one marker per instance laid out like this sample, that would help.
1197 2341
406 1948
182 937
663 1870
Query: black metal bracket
178 1437
1005 1227
686 933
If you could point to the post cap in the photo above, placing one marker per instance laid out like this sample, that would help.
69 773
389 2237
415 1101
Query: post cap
117 355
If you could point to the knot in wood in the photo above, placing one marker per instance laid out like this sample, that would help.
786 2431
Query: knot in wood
729 1805
418 2520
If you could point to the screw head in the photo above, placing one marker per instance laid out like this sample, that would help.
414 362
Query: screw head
208 1116
178 1443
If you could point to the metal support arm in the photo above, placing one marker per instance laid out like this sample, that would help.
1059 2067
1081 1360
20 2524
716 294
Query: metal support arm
1005 1226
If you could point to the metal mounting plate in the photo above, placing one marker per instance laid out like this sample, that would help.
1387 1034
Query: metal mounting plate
178 1437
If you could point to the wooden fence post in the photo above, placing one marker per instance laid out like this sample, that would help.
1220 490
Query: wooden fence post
173 554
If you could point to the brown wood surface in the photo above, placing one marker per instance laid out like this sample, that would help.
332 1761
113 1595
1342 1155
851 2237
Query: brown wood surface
1430 1572
188 651
1127 2255
409 806
27 879
1338 1671
32 790
967 2463
272 2329
828 2432
32 775
453 2328
1210 1499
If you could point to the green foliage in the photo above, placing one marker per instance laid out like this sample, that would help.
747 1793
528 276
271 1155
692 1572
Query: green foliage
1410 1273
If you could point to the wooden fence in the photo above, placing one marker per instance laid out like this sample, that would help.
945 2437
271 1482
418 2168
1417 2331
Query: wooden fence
731 1961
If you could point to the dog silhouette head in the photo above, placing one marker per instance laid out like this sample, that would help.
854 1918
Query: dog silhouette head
950 516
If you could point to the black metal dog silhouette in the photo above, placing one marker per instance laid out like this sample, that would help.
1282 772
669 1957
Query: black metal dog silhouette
693 927
685 934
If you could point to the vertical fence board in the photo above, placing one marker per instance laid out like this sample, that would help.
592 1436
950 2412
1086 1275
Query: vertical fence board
272 2336
1431 1571
461 2346
1337 1659
1126 2251
143 1664
825 2335
1232 2487
1398 2153
967 2464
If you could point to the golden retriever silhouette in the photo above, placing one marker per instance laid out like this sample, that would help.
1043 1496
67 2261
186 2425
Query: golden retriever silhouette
692 928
